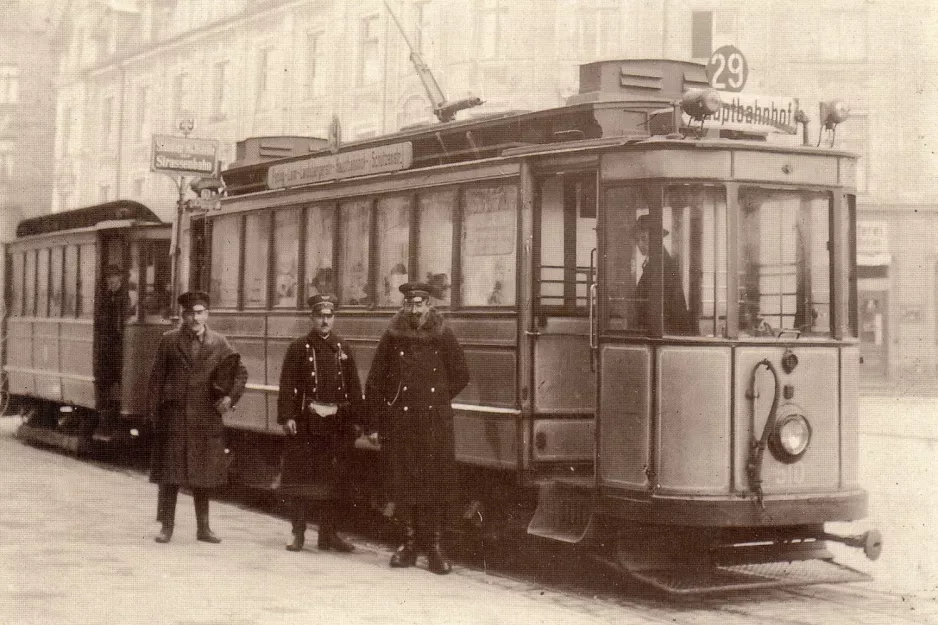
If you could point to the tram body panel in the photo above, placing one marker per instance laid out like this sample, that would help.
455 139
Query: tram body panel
849 416
816 396
486 439
564 381
46 358
625 432
19 354
77 337
694 422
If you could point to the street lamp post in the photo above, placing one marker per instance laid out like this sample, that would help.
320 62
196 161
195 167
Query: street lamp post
186 125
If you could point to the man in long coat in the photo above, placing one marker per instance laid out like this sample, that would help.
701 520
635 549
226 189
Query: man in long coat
320 406
418 368
677 319
196 378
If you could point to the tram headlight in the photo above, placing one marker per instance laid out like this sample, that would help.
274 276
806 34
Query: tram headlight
791 437
834 112
700 103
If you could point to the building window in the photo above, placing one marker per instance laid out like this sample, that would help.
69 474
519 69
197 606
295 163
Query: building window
138 187
597 30
219 94
180 88
368 49
313 85
142 122
264 80
6 162
421 26
66 136
491 25
701 35
9 84
104 193
107 112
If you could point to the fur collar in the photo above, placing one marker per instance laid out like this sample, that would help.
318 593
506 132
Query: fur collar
430 331
317 342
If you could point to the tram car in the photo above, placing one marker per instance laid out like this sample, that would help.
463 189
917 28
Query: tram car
76 351
658 310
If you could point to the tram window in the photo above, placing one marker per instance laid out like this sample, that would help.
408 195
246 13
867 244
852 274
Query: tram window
29 304
695 218
356 226
153 279
70 290
226 254
435 242
488 246
287 255
393 248
55 290
568 238
320 230
42 283
16 306
623 258
784 262
257 240
86 279
848 252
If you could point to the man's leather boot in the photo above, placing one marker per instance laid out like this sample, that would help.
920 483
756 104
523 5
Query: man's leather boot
203 531
437 562
166 533
299 539
406 554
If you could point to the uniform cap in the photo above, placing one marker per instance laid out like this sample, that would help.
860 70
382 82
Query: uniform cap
416 291
320 302
189 299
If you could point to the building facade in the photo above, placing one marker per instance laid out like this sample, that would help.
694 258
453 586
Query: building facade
242 68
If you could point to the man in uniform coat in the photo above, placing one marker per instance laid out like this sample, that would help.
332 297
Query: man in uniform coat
418 369
319 406
196 378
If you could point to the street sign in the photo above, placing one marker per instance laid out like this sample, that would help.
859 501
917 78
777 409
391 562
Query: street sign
184 155
377 160
727 69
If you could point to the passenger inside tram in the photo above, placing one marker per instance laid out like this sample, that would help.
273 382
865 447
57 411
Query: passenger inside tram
677 319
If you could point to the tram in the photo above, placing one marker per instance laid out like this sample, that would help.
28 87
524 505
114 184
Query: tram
658 313
54 329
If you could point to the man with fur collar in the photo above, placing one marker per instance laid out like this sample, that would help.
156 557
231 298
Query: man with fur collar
418 369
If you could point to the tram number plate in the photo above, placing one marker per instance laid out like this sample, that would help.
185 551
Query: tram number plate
787 474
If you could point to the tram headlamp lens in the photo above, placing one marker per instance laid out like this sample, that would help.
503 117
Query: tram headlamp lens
834 112
791 437
700 103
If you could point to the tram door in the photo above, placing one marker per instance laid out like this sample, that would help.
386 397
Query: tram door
564 380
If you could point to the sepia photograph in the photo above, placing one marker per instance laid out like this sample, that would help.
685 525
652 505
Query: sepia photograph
468 312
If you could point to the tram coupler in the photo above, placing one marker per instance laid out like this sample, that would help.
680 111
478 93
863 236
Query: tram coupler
870 542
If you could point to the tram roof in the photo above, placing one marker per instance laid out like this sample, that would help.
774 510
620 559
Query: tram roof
86 217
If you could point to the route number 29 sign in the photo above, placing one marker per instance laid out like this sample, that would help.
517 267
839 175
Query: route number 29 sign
727 69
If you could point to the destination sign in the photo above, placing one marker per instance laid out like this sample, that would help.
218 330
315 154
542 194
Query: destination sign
184 155
378 160
754 113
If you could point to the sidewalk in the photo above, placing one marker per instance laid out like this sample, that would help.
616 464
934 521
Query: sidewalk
76 543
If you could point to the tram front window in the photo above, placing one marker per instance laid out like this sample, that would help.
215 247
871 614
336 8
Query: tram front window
665 270
784 262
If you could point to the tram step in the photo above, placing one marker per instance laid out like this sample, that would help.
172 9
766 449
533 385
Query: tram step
48 436
564 512
708 579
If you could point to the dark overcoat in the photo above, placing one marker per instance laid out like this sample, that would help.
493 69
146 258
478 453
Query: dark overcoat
414 377
315 460
677 319
189 434
110 310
